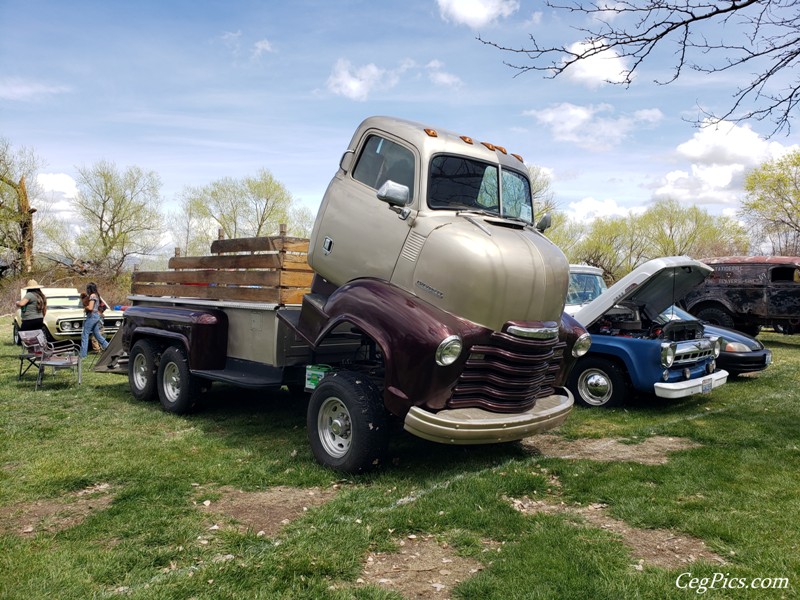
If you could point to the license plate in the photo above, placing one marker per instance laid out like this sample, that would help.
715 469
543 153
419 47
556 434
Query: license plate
707 385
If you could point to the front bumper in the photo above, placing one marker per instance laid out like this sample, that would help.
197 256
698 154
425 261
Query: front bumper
463 426
681 389
745 362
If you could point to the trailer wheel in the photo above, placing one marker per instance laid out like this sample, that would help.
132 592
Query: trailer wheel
142 370
347 423
177 387
15 337
597 382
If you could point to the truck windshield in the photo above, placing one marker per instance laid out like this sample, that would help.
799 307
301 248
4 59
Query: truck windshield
458 183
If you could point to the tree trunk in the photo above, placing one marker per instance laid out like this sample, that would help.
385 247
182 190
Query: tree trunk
25 249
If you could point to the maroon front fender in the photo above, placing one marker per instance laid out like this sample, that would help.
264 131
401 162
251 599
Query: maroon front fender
408 332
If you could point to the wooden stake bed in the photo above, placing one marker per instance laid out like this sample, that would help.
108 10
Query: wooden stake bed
264 269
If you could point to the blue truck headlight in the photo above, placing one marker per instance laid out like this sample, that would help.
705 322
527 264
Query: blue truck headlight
667 354
448 351
582 345
717 346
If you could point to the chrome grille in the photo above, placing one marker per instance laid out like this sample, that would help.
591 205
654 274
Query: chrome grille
688 353
508 374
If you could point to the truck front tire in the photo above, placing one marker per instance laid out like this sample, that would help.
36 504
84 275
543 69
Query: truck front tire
348 426
177 387
598 382
716 315
142 370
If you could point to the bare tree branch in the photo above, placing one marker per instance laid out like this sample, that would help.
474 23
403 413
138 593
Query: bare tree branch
636 31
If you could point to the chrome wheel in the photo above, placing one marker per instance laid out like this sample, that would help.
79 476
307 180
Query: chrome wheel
142 372
171 382
334 427
595 387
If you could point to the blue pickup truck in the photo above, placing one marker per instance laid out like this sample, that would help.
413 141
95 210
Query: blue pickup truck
637 343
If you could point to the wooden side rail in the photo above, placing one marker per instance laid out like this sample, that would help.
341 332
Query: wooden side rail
265 269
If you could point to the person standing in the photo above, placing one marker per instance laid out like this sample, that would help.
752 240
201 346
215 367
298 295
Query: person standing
33 306
93 323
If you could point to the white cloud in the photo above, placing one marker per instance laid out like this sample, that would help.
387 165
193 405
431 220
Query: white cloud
260 47
439 76
21 90
357 83
476 13
587 127
534 20
58 182
590 208
232 40
599 69
719 158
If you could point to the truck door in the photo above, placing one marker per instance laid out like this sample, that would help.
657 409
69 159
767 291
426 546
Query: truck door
359 235
783 297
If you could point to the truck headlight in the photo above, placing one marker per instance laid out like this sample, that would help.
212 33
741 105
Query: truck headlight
65 326
667 354
582 345
717 346
448 351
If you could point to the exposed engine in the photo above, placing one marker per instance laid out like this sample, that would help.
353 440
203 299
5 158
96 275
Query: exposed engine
626 320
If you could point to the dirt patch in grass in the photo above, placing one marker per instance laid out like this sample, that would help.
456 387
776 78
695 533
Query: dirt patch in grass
422 568
657 547
57 514
652 451
265 513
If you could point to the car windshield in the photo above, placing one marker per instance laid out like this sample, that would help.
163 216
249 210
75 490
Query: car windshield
584 287
63 302
674 313
458 183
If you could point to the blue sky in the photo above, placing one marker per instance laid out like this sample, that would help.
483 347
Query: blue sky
201 90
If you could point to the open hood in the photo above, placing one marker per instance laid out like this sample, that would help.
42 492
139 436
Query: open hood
652 287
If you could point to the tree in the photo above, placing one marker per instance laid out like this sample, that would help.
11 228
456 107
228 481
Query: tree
614 244
772 205
672 230
707 36
619 244
542 191
191 231
17 185
117 217
247 207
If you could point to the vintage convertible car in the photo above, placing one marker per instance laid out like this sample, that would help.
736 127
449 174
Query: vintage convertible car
65 315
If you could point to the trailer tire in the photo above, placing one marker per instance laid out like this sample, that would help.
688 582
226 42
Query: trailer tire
348 426
143 370
177 387
17 341
597 382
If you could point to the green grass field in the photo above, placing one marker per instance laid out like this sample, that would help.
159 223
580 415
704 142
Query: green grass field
102 496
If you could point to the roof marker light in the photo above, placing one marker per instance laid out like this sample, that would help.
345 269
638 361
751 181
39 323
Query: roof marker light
518 157
431 132
467 139
488 145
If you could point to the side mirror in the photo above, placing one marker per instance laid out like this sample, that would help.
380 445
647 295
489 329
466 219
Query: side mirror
347 160
544 223
395 194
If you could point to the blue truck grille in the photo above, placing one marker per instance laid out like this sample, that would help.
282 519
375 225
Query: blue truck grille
508 374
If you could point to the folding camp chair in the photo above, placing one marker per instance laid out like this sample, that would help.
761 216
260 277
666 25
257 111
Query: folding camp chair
37 351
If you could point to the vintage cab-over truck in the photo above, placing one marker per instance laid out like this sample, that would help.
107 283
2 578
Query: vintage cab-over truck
434 301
